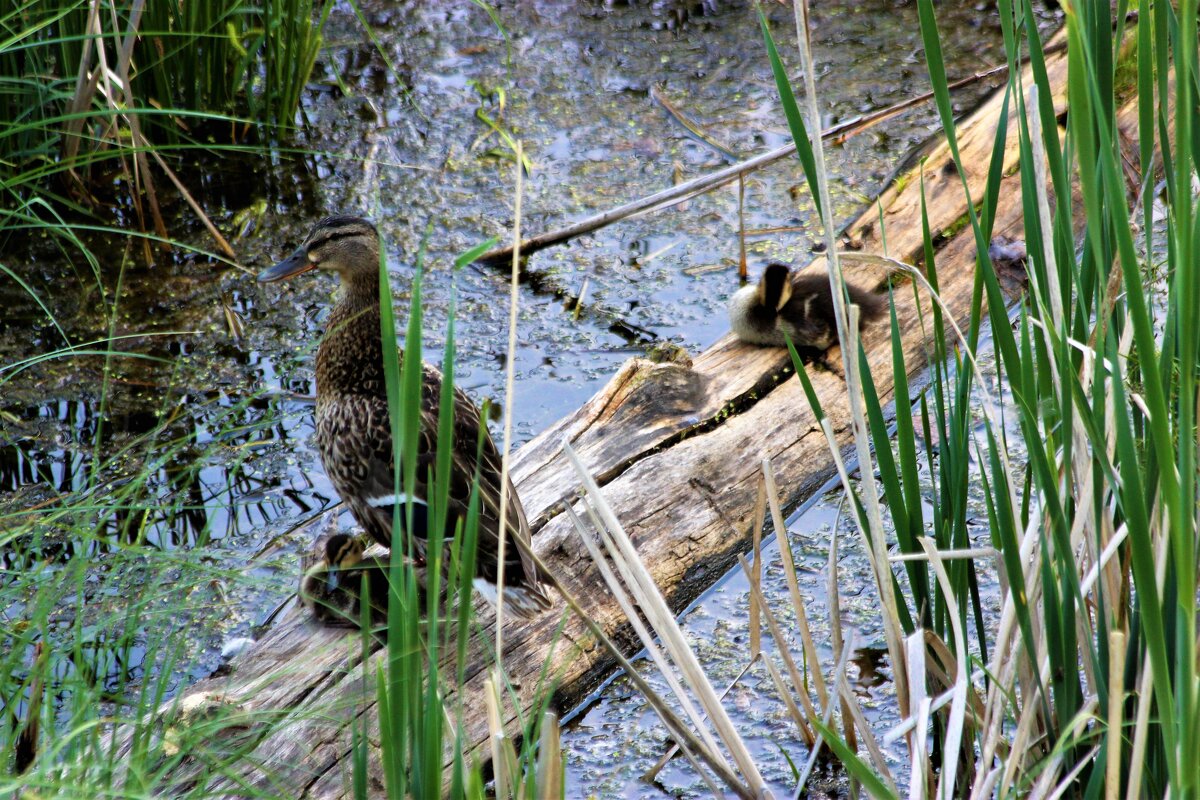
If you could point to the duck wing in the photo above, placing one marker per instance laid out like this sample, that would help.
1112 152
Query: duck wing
474 451
354 434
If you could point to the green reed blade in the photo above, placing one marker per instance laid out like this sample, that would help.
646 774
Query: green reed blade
795 119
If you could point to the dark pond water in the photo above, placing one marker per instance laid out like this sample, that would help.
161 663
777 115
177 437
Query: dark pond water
398 133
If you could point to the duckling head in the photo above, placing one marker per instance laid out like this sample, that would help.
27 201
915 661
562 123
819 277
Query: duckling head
346 245
341 552
754 309
775 287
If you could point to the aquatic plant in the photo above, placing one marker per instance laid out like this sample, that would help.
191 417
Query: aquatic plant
107 570
98 100
1087 682
74 72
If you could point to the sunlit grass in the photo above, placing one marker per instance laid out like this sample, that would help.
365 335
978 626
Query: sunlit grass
98 102
96 577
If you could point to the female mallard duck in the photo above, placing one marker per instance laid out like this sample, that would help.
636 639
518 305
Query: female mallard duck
354 434
797 304
334 589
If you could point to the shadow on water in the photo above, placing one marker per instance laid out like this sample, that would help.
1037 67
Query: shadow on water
204 452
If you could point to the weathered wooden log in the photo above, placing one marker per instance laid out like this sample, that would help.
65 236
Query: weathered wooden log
676 448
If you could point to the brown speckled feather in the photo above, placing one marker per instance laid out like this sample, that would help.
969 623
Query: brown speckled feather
355 443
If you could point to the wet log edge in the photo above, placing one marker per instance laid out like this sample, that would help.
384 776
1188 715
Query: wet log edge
676 449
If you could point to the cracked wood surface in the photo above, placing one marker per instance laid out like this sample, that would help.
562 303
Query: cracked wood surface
676 449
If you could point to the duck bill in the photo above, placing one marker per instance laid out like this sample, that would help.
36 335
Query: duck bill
294 264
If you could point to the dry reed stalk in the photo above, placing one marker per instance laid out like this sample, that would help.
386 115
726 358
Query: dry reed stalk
504 758
838 669
936 703
1007 662
675 726
937 669
856 719
742 271
1116 705
834 599
645 636
958 705
1029 738
1084 536
799 686
1069 781
760 515
1108 554
1141 730
918 753
989 403
847 327
952 554
632 580
222 244
1045 786
549 759
113 86
142 176
755 578
789 570
659 615
651 774
806 732
85 87
1034 120
509 380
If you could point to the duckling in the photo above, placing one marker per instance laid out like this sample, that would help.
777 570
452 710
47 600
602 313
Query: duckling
354 434
797 304
333 589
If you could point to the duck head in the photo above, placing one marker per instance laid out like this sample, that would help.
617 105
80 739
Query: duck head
346 245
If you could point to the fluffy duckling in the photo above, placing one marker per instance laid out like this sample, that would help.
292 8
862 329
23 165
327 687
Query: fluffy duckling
334 588
798 304
354 434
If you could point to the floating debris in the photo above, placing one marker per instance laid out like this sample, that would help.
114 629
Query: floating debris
704 269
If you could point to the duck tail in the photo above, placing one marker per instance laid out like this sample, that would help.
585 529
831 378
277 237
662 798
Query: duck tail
520 601
871 305
525 602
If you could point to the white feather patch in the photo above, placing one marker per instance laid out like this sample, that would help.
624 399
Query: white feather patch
383 501
519 601
487 589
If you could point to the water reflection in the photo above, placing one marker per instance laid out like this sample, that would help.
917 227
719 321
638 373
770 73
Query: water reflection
183 481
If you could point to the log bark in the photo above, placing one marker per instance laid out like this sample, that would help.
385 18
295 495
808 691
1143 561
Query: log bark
676 449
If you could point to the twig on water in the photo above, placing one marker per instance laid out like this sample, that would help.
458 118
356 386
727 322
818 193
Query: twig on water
837 134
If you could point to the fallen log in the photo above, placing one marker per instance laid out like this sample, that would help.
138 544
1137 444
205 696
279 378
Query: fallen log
676 448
